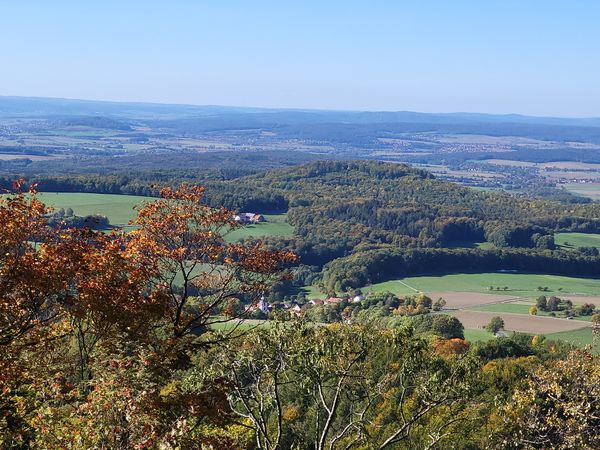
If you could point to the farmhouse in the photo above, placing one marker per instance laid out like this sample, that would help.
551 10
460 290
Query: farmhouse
247 217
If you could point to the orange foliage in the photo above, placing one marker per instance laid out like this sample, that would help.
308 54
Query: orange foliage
80 310
451 347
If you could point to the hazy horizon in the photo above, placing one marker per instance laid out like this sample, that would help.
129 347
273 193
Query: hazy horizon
259 107
432 56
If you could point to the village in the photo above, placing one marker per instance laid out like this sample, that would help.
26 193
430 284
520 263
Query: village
294 308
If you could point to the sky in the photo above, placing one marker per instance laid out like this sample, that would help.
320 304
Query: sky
538 57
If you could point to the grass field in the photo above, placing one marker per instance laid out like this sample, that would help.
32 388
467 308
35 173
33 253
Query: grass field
276 225
237 325
118 208
591 190
474 335
574 240
519 284
521 308
579 338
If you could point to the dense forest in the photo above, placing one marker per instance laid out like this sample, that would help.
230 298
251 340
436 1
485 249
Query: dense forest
388 220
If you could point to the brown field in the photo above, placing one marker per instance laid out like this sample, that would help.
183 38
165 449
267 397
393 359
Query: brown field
459 300
572 175
519 322
574 165
581 299
509 162
567 165
8 157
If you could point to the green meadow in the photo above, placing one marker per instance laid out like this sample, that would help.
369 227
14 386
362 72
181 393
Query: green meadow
591 190
574 240
276 225
521 308
518 284
473 335
120 210
580 338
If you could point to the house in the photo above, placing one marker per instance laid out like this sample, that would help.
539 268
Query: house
334 300
296 308
316 302
263 305
357 299
246 218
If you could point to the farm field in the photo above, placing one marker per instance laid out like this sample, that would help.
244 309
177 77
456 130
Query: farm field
519 322
10 156
474 335
120 210
518 284
276 225
522 308
591 190
240 325
579 338
574 240
460 300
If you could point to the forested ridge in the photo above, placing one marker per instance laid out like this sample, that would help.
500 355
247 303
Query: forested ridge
368 212
388 220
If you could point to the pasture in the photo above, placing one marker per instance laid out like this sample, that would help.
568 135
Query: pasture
580 338
522 307
120 210
574 240
591 190
276 225
517 284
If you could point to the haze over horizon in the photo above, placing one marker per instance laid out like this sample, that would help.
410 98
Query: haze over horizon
510 58
298 109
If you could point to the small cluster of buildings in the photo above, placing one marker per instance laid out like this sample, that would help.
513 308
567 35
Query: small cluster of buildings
249 218
297 308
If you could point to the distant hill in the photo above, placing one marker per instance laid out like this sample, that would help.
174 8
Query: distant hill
36 106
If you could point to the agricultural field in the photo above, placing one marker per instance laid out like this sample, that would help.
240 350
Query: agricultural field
120 210
240 325
469 298
522 307
10 156
574 240
591 190
516 284
580 338
276 225
519 322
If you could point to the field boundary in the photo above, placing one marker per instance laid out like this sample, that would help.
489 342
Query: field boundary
410 287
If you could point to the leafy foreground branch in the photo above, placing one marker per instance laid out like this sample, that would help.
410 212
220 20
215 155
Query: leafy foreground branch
106 343
342 387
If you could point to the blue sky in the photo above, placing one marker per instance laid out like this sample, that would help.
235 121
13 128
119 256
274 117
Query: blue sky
530 56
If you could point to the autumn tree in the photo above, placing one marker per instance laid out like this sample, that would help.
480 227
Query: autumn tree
559 406
182 242
344 386
95 328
